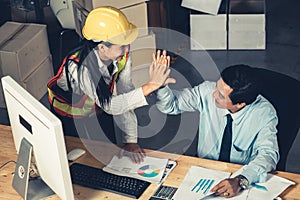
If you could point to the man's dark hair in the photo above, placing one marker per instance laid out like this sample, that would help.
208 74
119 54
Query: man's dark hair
242 79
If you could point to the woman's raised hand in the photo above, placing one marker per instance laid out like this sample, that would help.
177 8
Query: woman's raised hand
159 72
160 66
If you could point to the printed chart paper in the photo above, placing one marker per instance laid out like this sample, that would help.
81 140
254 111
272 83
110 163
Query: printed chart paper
151 170
198 183
274 186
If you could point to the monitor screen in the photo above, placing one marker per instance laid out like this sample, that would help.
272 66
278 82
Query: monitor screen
31 120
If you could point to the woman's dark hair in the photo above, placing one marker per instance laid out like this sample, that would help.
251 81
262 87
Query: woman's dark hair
84 49
242 79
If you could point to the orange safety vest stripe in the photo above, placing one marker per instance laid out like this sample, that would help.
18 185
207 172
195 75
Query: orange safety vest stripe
85 105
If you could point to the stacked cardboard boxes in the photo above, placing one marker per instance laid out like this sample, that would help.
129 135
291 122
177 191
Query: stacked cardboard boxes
142 49
237 24
25 56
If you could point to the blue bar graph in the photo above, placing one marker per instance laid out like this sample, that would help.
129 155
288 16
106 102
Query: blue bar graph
261 187
199 183
209 186
203 185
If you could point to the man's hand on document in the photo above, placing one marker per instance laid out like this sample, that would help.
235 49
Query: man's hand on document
227 188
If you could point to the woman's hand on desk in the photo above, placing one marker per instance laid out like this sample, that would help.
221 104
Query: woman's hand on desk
133 151
227 188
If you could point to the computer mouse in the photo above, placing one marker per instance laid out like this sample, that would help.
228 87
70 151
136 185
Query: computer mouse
75 154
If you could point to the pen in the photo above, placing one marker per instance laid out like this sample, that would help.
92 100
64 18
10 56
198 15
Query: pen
211 196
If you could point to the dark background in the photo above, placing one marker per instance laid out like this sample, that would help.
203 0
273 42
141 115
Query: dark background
281 55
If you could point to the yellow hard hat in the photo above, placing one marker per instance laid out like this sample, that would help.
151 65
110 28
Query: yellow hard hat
109 24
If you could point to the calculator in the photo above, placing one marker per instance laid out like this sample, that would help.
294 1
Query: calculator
164 193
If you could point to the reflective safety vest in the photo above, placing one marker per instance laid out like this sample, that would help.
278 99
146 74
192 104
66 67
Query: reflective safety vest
68 104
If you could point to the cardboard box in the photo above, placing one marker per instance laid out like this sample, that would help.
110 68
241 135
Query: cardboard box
247 24
140 75
91 4
142 49
207 6
247 31
131 12
208 32
35 83
22 48
138 15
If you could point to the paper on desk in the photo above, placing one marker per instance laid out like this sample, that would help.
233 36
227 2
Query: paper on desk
268 190
198 183
151 169
275 185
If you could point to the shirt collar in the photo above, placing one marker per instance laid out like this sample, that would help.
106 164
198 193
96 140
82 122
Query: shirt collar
103 68
238 116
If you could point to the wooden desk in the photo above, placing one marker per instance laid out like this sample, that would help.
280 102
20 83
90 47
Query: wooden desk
7 152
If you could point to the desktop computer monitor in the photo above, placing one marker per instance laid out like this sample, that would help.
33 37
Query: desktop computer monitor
39 141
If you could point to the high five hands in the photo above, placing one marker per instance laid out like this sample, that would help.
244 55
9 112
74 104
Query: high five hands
159 72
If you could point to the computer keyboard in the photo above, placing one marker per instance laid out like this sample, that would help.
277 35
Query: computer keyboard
96 178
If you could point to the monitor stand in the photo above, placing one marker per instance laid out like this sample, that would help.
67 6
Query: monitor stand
29 189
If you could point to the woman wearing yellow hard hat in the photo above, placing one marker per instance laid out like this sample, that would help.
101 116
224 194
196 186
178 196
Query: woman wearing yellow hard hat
96 77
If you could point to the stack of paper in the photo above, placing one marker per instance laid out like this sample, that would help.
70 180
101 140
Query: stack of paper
153 170
199 181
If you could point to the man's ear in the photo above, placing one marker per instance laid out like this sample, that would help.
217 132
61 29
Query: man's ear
240 105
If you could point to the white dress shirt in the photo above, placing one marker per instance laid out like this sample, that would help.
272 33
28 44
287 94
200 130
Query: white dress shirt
254 139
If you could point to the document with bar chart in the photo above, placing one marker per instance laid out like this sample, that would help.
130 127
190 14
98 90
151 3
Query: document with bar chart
198 183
